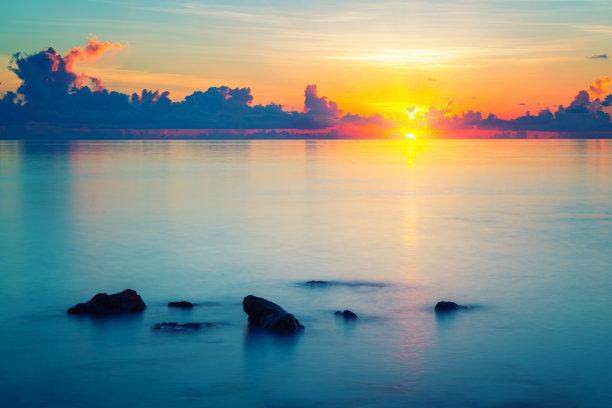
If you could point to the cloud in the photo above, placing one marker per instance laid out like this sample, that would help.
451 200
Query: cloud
318 107
93 49
581 100
599 87
599 56
48 76
45 76
584 115
375 120
53 94
443 119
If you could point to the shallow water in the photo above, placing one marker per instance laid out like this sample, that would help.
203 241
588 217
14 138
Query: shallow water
519 230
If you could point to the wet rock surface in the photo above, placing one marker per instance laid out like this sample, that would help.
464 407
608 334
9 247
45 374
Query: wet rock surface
103 304
269 316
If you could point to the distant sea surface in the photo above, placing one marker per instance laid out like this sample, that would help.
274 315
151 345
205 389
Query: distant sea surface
520 231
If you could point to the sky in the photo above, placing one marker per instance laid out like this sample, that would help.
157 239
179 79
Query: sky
370 58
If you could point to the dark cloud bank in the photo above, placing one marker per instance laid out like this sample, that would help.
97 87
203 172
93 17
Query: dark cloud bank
53 101
583 118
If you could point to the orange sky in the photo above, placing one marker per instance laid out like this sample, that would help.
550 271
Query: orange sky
505 57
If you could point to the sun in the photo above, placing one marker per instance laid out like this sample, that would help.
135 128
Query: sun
410 136
411 112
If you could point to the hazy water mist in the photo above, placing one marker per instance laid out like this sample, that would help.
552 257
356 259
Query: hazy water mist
521 230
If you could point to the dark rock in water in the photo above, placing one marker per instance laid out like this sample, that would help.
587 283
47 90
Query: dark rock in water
349 284
316 283
182 304
174 326
266 315
104 304
446 306
347 314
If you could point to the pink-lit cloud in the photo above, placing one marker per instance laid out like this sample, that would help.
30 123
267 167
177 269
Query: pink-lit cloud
599 88
94 49
47 75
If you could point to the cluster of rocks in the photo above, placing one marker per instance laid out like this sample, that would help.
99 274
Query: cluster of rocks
262 314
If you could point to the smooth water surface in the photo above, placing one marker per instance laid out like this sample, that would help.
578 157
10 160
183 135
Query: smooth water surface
519 230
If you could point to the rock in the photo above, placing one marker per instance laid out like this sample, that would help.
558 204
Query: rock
104 304
347 314
266 315
349 284
446 306
316 283
182 304
174 326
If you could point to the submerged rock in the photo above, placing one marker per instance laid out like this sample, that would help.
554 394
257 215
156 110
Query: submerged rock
104 304
182 304
316 283
174 326
347 314
267 315
349 284
447 306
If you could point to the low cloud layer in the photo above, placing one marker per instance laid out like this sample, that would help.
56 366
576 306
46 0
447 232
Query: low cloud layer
586 115
53 94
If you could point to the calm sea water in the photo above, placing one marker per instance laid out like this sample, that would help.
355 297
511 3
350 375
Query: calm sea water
521 230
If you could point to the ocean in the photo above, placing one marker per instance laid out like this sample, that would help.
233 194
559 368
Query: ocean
518 230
